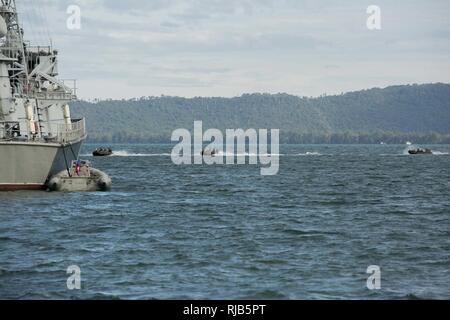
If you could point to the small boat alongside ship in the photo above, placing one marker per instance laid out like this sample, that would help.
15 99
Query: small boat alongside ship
80 177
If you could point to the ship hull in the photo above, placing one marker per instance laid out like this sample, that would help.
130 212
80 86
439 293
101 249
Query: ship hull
28 165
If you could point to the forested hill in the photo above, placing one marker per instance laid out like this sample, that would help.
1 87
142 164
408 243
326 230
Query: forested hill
393 114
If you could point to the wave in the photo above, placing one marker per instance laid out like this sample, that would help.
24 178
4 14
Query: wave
409 147
310 154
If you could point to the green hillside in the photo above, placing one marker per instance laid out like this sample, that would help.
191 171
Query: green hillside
394 114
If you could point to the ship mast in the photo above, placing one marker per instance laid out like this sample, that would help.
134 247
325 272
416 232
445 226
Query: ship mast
13 46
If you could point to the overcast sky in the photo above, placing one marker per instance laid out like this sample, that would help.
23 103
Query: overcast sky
134 48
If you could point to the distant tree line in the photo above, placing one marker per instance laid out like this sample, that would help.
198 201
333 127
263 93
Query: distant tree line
417 113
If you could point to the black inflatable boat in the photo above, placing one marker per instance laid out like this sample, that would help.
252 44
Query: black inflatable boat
420 151
102 152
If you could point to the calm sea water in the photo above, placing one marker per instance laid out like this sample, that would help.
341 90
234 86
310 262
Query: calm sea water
169 232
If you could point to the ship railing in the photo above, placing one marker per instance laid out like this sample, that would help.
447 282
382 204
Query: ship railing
71 132
71 84
9 129
62 96
47 50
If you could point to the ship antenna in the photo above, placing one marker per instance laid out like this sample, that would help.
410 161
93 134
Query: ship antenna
21 44
15 37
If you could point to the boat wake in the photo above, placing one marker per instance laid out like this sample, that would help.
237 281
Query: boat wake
438 153
406 150
124 153
228 154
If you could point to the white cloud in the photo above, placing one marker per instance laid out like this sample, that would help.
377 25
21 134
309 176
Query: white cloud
210 47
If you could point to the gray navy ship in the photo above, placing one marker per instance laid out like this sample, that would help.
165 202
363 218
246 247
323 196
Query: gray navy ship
38 136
